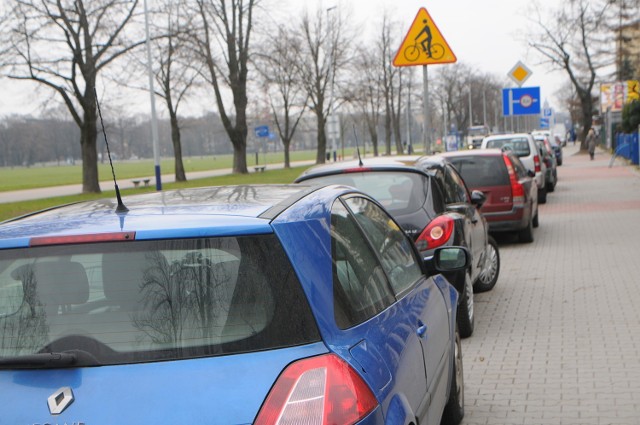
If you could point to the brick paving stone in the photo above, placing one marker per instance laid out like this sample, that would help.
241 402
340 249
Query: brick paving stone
557 341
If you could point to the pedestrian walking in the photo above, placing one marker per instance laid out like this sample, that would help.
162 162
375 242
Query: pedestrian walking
591 142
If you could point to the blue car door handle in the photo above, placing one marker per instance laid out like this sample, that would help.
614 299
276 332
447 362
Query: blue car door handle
422 330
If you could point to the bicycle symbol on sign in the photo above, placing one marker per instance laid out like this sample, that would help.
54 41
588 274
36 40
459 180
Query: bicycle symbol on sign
432 50
413 52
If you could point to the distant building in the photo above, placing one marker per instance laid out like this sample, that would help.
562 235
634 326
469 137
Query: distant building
628 52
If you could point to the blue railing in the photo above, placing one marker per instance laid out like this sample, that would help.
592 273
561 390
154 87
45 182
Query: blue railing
627 147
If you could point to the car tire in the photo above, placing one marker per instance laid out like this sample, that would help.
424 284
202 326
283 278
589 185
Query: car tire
551 186
466 316
454 409
526 235
542 195
490 269
536 221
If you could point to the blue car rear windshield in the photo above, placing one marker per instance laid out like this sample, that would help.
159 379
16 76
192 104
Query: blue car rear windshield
152 300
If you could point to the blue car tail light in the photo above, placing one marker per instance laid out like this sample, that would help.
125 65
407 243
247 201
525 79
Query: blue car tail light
318 390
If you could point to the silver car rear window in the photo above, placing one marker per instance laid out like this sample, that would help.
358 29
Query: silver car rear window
519 146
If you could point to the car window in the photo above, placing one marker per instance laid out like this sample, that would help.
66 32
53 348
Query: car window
390 243
482 171
360 287
455 191
517 145
398 192
144 301
519 167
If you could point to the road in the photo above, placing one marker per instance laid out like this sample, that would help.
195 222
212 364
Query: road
558 339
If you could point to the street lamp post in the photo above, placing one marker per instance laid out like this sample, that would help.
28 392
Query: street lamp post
154 118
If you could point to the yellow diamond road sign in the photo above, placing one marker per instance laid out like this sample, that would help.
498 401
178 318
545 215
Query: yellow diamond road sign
423 44
519 73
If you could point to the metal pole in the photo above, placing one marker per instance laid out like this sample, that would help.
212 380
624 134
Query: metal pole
409 146
330 75
484 108
425 111
470 110
154 117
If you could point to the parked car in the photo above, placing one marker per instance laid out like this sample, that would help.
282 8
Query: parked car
429 200
511 193
557 144
524 146
229 305
550 164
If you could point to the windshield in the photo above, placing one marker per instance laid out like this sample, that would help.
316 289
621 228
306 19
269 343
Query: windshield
399 192
156 300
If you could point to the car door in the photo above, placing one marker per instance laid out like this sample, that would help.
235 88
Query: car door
417 323
459 200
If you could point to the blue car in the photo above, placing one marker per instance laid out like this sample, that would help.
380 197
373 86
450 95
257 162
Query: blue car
273 304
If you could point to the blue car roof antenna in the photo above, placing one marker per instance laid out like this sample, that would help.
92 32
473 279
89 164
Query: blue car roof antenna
121 208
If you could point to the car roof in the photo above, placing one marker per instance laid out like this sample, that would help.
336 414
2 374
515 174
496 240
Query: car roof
246 209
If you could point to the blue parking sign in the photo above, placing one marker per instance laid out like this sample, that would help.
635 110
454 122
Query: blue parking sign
521 101
262 131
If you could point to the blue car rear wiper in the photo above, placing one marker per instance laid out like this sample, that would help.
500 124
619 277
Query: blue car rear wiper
48 360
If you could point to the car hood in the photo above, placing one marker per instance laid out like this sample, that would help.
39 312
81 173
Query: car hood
216 390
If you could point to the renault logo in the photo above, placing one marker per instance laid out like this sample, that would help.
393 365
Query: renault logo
60 400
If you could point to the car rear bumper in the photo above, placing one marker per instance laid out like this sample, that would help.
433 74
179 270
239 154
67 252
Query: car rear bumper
515 219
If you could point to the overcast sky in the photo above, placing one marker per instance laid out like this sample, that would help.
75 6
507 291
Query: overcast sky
487 34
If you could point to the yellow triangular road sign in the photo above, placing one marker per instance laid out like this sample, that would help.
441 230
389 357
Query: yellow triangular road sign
423 44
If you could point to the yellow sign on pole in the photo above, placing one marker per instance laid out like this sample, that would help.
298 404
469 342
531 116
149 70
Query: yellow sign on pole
424 44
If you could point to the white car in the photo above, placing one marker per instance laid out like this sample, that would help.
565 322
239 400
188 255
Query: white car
524 146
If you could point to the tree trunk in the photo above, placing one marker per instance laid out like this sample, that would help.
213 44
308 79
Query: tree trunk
287 160
239 153
322 139
88 147
177 148
387 131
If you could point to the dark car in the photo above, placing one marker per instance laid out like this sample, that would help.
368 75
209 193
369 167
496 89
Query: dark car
280 304
550 163
556 145
428 198
510 189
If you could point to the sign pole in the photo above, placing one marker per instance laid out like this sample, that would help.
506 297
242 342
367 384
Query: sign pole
425 110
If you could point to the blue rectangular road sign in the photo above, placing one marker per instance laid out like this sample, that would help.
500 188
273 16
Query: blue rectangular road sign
544 122
262 131
521 101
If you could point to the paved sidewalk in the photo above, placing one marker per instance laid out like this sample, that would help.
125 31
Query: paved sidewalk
106 185
558 339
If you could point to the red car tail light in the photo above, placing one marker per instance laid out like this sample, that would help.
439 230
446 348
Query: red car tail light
321 390
91 238
436 233
517 191
536 163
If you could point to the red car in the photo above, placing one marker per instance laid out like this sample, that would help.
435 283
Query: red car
510 189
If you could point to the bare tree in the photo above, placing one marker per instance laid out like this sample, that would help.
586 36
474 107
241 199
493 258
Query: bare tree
278 66
366 92
222 42
64 45
572 41
176 72
325 44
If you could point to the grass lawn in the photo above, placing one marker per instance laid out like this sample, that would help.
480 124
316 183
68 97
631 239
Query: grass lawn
20 178
15 209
